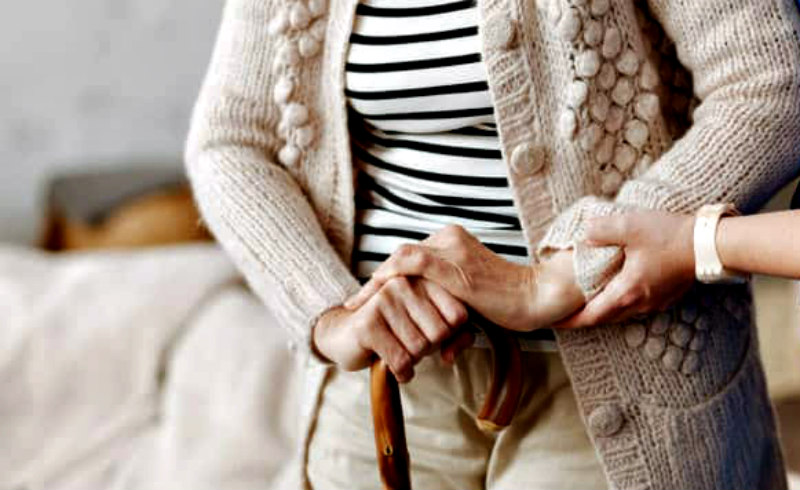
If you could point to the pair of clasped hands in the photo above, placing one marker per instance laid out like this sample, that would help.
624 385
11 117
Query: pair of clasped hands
415 303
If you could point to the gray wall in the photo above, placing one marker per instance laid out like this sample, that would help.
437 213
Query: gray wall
93 82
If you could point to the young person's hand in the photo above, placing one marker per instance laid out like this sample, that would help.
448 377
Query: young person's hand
514 296
405 320
658 268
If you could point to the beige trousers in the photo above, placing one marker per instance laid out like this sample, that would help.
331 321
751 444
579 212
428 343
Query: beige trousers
545 448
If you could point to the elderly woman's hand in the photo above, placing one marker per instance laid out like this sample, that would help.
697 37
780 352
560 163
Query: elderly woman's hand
513 296
405 320
658 267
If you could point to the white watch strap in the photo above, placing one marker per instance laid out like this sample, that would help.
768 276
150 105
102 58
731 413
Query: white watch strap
708 266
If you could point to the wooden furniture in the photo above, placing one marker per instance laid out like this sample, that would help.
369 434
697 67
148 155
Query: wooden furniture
129 207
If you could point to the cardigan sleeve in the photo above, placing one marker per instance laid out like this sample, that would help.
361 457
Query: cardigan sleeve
251 203
744 142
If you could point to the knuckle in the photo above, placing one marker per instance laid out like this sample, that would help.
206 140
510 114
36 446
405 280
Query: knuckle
406 250
439 334
422 259
453 233
458 315
455 230
419 348
402 361
398 283
384 297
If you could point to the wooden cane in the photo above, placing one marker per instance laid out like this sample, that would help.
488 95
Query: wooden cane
496 413
390 434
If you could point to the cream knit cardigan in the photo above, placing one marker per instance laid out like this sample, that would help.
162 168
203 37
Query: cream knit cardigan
591 110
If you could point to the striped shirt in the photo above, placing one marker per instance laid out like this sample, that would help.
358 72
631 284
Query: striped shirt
425 144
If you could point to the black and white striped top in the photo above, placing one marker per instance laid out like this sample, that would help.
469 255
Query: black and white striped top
424 140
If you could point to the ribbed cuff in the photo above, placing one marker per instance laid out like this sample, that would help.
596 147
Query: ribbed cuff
594 266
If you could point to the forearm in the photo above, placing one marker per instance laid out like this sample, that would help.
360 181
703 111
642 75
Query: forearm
742 145
761 244
255 206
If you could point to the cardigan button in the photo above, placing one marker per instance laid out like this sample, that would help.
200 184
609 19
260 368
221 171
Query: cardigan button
527 159
501 32
606 420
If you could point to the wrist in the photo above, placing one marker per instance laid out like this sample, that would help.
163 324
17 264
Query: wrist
708 265
554 293
686 244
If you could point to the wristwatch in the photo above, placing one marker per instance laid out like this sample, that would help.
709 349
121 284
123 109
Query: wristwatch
708 266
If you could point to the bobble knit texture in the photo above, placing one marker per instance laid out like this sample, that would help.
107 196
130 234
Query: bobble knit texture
591 95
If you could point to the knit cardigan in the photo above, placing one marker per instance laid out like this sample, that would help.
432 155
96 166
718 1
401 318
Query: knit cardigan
602 106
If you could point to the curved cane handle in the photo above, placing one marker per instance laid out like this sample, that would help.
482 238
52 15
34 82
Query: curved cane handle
506 387
390 435
387 410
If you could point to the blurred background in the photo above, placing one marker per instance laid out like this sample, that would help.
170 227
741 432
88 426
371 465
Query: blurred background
106 83
95 101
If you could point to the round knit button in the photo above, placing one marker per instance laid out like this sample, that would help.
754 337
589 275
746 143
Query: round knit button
599 7
279 23
647 106
680 334
282 90
628 63
599 107
605 151
648 79
624 158
637 133
567 124
289 155
606 420
607 77
317 29
299 16
317 7
610 181
612 43
654 347
527 159
673 358
635 334
500 32
623 91
661 324
615 119
570 25
590 137
587 63
304 137
691 363
577 93
593 33
308 46
295 115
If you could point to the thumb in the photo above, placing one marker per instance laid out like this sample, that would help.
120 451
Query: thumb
606 230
